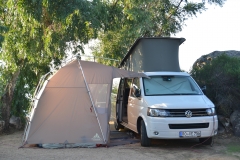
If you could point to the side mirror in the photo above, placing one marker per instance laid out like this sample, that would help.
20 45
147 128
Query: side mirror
204 88
137 93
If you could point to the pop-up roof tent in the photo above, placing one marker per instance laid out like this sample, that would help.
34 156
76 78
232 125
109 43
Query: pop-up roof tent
73 105
153 54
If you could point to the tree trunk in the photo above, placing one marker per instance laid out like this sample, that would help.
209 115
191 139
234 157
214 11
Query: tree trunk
6 104
7 100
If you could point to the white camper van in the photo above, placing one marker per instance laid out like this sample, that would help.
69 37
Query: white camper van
167 105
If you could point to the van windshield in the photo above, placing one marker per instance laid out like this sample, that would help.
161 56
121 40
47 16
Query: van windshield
170 85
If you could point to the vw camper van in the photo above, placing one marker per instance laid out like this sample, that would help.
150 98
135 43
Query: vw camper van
168 104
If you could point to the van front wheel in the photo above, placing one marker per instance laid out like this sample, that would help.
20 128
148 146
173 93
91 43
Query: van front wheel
145 141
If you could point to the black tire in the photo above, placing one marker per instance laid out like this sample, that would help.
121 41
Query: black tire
206 141
118 126
145 141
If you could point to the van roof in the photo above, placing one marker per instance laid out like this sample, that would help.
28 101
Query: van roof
143 38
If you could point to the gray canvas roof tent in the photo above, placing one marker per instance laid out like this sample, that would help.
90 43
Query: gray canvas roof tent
153 54
73 105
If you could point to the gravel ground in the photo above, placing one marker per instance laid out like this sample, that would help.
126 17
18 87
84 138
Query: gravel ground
224 148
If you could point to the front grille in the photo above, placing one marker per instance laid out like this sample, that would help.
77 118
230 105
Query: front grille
181 112
188 126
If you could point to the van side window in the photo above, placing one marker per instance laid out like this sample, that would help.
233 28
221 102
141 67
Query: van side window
135 88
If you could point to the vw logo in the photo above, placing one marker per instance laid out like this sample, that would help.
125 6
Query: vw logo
188 114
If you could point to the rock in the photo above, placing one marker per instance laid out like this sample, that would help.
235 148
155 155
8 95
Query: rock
235 121
208 57
223 124
235 118
236 130
16 122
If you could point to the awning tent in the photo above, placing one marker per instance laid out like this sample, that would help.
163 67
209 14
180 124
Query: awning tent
73 106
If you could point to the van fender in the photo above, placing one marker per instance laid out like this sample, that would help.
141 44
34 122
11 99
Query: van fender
144 118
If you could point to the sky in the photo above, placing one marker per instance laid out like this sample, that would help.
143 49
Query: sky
216 29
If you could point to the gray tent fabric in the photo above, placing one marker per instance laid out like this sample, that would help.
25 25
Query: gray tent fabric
64 111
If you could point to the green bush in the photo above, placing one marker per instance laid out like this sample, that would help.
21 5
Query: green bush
115 89
221 76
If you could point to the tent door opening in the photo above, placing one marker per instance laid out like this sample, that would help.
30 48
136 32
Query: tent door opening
122 100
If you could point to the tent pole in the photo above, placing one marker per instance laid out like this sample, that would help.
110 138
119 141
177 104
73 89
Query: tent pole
32 106
91 100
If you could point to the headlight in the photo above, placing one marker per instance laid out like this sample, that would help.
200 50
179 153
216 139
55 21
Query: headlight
154 112
211 111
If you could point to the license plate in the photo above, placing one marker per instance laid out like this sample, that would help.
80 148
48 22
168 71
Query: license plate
189 133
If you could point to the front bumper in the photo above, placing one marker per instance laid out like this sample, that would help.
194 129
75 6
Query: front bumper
158 127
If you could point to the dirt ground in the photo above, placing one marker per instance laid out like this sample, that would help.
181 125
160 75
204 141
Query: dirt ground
226 147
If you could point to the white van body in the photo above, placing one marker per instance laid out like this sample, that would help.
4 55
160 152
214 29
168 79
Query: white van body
171 105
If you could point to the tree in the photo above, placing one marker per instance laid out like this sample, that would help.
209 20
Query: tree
33 35
131 19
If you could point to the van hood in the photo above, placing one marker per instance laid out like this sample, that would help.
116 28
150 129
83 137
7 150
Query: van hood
180 101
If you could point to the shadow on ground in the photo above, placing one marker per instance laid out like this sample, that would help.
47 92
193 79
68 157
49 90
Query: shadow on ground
125 136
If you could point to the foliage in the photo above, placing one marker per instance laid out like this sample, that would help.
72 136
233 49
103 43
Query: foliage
222 78
130 19
33 35
115 89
